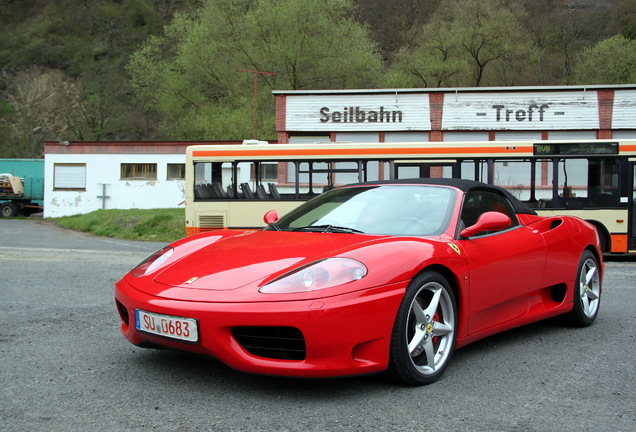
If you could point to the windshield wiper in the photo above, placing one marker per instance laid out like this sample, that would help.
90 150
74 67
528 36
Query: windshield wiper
329 228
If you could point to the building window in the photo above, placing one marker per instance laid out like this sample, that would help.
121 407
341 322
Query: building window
176 171
269 171
69 177
139 171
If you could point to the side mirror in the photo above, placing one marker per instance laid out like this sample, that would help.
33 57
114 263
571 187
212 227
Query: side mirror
271 217
489 221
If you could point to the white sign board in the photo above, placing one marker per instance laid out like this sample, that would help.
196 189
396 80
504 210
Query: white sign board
355 112
521 111
624 116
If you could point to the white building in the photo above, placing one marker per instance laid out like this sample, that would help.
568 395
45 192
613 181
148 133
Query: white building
81 177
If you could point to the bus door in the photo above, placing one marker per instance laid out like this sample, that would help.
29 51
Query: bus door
632 210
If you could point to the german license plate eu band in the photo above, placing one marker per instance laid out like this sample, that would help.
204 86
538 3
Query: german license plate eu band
173 327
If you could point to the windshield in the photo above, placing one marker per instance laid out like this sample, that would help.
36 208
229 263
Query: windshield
408 210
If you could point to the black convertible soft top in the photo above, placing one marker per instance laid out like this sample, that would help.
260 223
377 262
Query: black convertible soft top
461 184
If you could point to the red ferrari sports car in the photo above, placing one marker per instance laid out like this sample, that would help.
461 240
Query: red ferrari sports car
386 276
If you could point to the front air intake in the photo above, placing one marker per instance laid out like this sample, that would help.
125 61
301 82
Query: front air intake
280 343
123 312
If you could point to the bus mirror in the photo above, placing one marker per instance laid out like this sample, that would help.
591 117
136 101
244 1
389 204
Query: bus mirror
270 217
489 221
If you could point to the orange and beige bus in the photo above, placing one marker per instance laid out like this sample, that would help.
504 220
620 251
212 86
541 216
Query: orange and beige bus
233 186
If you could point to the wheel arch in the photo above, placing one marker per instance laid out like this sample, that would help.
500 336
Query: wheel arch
594 251
453 281
603 234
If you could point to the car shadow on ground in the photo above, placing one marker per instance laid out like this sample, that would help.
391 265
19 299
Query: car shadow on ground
201 374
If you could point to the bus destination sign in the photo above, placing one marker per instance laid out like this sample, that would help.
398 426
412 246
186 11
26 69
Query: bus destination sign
576 149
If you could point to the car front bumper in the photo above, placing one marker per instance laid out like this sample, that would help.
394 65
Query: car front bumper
347 334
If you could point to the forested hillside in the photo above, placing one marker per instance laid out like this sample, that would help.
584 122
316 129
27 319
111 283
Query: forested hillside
170 69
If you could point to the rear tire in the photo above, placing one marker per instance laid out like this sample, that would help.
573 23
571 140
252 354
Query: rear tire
587 291
423 338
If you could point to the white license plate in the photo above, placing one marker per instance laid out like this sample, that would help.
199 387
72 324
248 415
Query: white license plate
173 327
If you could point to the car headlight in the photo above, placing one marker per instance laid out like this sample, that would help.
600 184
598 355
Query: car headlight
328 273
153 262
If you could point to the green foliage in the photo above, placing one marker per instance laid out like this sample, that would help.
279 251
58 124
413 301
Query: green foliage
312 44
192 75
612 61
433 61
462 42
622 19
6 116
156 225
87 43
114 69
393 23
6 110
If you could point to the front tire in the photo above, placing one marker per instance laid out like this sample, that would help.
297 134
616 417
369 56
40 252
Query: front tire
587 291
423 338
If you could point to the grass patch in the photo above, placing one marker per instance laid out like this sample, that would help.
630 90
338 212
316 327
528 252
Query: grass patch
153 225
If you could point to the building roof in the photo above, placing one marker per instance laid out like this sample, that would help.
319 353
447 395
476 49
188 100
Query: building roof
461 89
125 147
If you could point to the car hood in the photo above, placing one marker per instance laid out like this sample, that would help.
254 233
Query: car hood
228 263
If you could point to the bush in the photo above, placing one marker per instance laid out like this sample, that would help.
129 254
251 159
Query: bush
155 225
